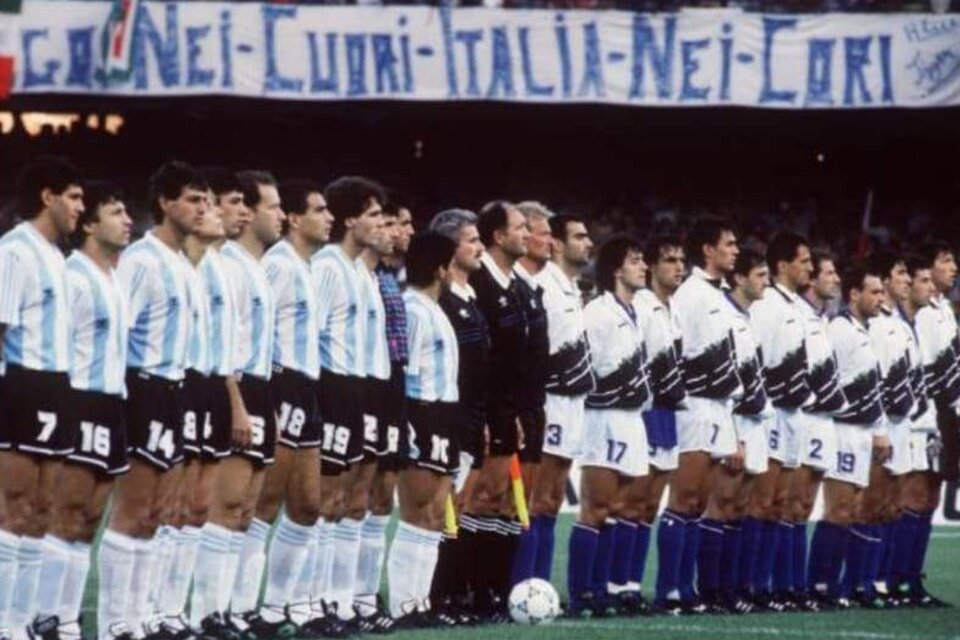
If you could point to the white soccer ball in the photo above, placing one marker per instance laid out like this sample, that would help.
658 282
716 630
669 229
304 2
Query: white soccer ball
534 601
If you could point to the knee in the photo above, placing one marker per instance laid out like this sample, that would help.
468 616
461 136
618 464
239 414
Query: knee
595 515
687 501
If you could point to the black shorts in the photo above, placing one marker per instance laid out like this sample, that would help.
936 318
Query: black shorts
502 420
154 414
393 441
341 408
258 400
217 442
297 408
534 423
433 444
470 437
34 412
101 432
197 418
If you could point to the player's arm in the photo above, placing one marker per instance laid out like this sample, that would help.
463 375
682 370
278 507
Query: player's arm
239 418
11 290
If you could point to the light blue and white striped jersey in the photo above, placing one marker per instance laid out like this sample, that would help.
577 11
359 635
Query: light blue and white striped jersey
297 330
431 371
343 313
223 319
198 347
376 353
99 328
33 301
254 310
153 279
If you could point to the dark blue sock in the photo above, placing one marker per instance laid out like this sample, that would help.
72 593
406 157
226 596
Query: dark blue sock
904 540
799 557
640 551
783 561
922 542
670 538
730 558
543 564
749 553
874 559
603 561
524 557
889 550
583 552
827 551
688 561
763 568
855 561
709 556
624 548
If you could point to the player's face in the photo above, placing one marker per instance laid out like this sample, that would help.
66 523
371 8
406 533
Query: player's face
236 215
871 297
113 226
799 269
827 283
723 255
578 245
944 271
898 284
368 226
404 231
316 220
540 241
64 207
756 282
210 228
514 237
268 215
187 211
669 269
922 288
469 249
387 236
633 271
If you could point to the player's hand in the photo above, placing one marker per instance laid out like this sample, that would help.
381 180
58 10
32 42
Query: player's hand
882 448
734 462
240 430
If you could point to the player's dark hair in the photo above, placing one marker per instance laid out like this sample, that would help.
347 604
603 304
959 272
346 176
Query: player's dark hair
169 181
395 200
55 173
493 217
347 197
220 180
818 257
96 193
706 230
914 263
655 246
560 225
429 251
610 258
294 194
854 276
250 183
884 262
747 260
784 246
932 250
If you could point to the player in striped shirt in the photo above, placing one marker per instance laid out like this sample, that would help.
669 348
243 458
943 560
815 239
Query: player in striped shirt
356 204
100 453
35 432
153 274
431 389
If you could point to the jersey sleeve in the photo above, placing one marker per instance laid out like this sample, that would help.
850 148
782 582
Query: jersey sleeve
78 297
133 276
415 337
281 281
13 280
325 282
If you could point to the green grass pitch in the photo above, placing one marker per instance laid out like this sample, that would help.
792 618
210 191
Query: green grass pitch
943 579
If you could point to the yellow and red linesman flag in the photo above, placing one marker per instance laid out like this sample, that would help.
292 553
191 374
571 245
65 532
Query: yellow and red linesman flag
519 497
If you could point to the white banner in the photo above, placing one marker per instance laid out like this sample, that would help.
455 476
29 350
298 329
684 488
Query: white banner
691 58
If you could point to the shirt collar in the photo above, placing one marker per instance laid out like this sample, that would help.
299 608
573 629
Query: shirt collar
501 278
568 284
859 326
822 311
719 283
463 291
789 296
736 305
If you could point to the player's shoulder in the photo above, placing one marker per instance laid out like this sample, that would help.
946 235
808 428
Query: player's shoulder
15 242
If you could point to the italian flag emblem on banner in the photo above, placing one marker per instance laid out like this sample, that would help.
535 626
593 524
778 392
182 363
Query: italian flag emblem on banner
6 49
118 36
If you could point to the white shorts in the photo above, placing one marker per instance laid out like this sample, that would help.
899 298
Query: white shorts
854 455
753 436
817 441
564 426
784 437
615 439
922 443
664 459
900 462
706 425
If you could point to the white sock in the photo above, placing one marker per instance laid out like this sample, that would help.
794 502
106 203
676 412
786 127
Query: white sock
323 571
246 588
230 576
402 569
29 557
9 546
71 598
115 564
144 570
300 610
173 600
285 560
346 543
53 573
426 564
164 545
373 546
210 572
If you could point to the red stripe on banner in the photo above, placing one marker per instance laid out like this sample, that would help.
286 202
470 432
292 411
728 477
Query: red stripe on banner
6 76
121 28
